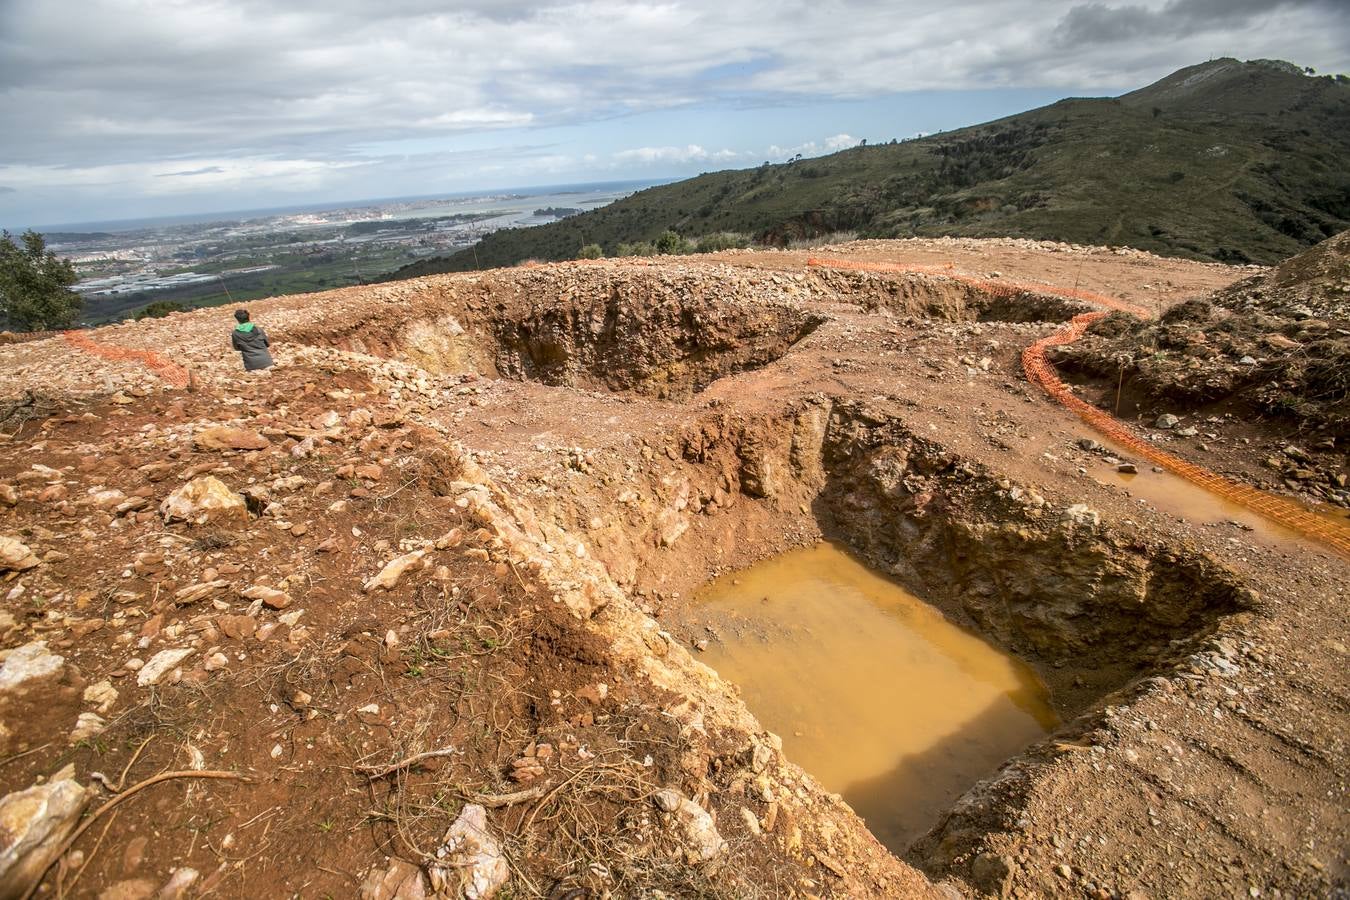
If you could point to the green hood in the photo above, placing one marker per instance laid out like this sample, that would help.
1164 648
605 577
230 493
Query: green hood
244 326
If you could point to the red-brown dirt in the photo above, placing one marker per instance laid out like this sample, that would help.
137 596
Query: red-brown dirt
560 455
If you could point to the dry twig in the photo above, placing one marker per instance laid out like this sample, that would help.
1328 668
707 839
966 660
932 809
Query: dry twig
377 772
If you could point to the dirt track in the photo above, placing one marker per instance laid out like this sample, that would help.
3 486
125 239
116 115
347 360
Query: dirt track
604 437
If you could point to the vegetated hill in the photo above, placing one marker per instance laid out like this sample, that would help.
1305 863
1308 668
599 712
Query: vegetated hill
1226 160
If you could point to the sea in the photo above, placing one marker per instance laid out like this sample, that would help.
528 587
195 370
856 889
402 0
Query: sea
515 203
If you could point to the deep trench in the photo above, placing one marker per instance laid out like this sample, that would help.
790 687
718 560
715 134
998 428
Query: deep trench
1094 613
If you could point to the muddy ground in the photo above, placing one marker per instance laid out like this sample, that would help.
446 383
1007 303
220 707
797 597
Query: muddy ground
553 459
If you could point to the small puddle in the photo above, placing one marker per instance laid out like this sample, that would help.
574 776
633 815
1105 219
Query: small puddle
873 692
1176 496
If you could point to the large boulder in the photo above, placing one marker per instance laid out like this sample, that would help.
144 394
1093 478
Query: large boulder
204 500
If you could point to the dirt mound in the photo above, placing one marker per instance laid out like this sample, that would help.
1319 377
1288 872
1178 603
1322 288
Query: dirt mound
1314 284
1275 345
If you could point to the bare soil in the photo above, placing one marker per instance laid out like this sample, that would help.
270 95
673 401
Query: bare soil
574 449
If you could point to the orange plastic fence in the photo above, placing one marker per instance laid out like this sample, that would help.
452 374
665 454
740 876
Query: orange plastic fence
166 369
1039 371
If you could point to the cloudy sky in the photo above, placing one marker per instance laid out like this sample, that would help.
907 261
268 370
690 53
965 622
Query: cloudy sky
116 109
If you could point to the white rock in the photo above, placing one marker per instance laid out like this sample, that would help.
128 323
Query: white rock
270 597
86 726
15 555
103 695
159 664
393 571
178 883
204 499
32 660
469 863
399 881
704 844
34 823
1082 514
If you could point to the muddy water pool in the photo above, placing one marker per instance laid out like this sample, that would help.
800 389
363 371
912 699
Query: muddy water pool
873 692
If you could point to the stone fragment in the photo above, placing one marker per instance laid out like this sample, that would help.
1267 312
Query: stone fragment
393 571
670 525
9 496
107 499
15 555
176 887
195 592
400 881
703 844
130 889
86 726
103 695
161 663
1166 420
28 662
1082 514
204 499
34 823
237 627
992 873
469 863
270 597
224 437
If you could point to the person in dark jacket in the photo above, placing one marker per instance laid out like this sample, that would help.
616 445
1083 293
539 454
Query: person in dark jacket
251 341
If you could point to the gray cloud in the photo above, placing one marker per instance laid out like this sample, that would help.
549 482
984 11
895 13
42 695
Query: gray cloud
113 101
7 190
1098 23
204 170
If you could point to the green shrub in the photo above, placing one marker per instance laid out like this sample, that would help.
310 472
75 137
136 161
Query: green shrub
591 251
722 240
671 244
159 309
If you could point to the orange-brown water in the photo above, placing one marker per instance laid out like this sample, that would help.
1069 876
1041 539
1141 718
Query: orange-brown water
873 692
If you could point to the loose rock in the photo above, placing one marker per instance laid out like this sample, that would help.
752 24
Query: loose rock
202 500
469 862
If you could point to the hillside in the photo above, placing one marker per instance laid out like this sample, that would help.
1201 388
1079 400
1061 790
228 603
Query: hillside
1229 161
420 611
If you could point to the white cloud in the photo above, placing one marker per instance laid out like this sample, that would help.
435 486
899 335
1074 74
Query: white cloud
308 83
180 176
687 154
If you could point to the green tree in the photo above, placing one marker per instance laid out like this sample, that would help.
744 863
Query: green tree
671 243
35 292
591 251
159 309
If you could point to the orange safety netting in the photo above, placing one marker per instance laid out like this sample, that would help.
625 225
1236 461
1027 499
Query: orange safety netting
1039 371
166 369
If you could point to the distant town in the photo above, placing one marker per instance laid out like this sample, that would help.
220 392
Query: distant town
178 265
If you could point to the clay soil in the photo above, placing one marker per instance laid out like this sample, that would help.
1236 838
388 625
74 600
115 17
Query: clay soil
573 450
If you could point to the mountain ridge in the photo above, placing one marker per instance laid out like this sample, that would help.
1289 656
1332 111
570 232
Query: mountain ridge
1226 160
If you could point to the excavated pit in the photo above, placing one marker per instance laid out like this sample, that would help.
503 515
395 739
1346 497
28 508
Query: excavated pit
663 333
645 332
1092 614
874 692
